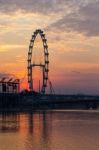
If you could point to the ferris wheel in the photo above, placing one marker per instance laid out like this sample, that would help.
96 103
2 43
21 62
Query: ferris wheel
44 66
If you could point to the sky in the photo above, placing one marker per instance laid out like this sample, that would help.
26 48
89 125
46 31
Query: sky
72 31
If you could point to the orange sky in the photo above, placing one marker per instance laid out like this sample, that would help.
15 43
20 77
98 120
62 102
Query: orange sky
72 30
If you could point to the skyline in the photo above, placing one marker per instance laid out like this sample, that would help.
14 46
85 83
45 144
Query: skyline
72 30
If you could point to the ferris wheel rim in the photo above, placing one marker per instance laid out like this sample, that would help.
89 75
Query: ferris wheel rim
46 60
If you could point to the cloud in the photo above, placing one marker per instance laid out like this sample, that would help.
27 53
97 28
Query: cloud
67 15
84 20
4 48
42 6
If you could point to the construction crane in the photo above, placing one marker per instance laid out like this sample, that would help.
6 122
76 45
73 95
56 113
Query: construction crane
51 88
3 79
10 80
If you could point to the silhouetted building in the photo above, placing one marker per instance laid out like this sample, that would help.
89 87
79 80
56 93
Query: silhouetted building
9 85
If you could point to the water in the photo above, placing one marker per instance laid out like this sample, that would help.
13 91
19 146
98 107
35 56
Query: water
50 130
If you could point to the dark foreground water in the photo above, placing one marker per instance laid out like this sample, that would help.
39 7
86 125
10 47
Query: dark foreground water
50 130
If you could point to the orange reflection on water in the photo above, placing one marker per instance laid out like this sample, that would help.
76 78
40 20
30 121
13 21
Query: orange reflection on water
50 130
36 126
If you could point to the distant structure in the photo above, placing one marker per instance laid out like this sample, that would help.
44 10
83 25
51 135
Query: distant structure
45 66
51 88
10 85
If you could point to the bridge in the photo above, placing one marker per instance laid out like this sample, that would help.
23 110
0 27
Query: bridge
34 101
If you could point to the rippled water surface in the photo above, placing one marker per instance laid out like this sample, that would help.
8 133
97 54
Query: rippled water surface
50 130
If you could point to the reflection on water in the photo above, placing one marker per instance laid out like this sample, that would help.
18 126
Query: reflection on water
9 122
50 130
